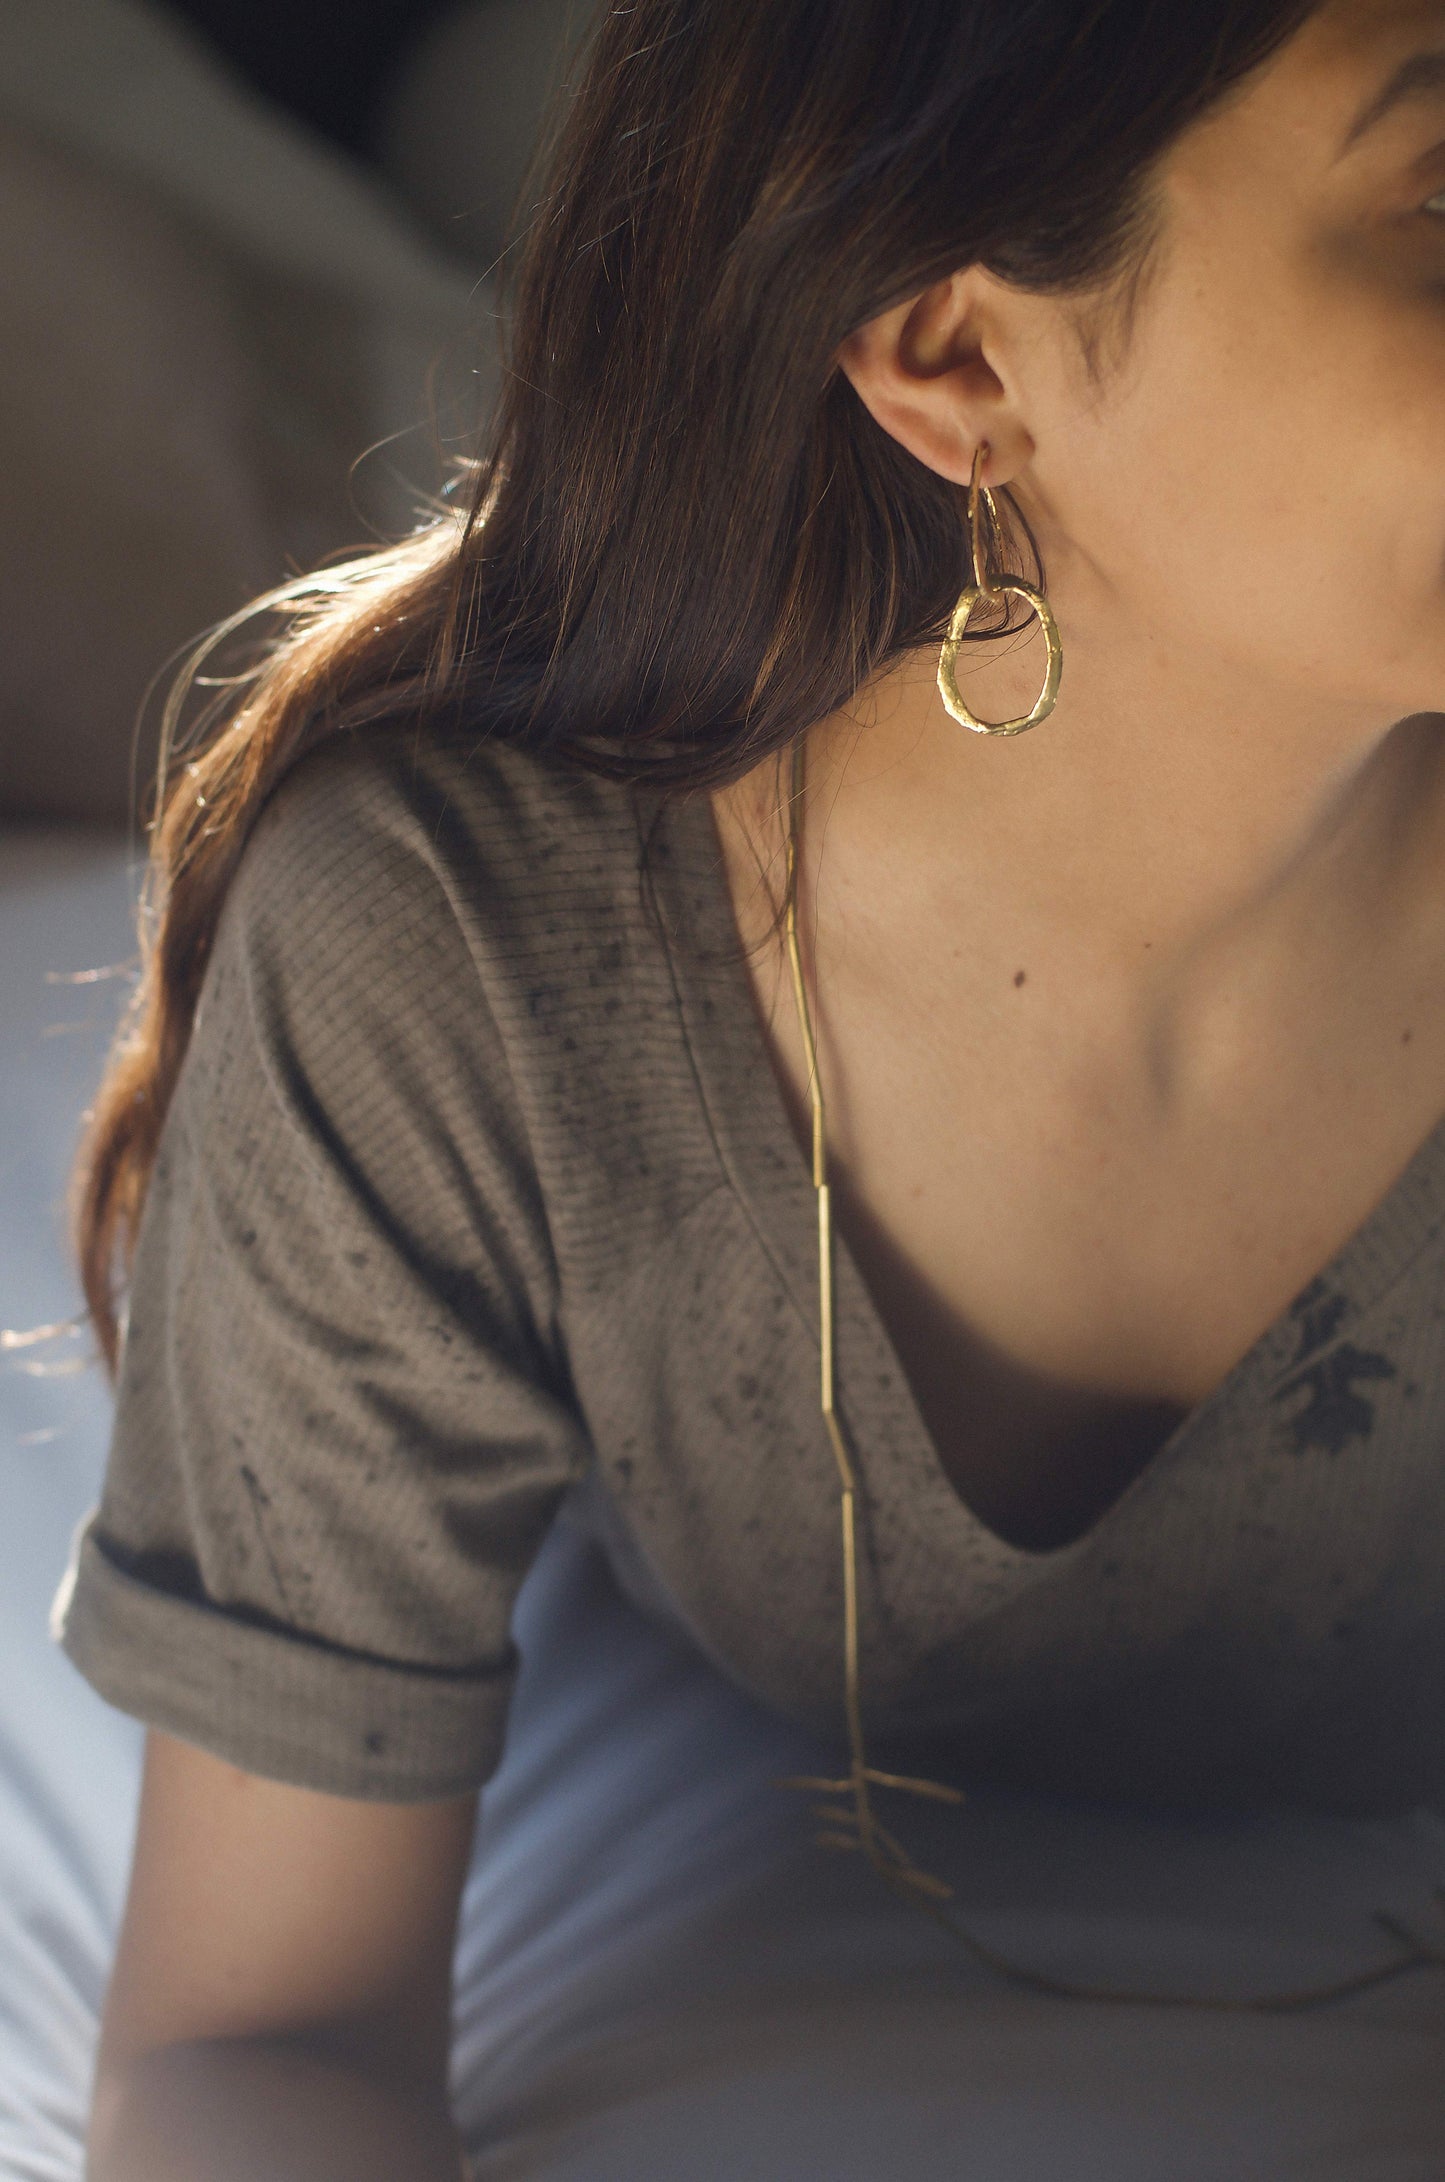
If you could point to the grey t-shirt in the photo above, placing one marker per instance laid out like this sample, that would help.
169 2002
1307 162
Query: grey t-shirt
479 1194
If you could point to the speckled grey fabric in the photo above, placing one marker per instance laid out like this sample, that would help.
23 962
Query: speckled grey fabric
478 1191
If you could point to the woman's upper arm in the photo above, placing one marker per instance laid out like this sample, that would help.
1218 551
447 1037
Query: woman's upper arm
260 1911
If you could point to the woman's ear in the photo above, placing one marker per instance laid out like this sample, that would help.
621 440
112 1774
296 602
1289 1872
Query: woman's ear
925 371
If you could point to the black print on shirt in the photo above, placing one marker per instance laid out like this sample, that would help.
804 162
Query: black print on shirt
1334 1411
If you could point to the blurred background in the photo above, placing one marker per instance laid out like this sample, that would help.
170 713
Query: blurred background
247 251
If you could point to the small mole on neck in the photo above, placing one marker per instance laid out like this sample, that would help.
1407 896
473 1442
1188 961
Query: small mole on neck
1019 976
1406 1036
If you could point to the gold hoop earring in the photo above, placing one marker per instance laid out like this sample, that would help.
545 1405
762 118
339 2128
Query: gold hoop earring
984 587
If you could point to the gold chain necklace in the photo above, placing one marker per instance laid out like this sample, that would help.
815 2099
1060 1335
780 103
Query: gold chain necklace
844 1806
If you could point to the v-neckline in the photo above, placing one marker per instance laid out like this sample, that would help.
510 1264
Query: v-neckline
748 1120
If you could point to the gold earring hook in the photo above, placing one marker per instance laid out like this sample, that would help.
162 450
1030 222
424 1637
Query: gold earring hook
976 495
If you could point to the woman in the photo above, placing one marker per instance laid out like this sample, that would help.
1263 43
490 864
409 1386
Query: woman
453 1090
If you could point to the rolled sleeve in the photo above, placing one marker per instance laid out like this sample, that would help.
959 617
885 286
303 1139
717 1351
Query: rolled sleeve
272 1701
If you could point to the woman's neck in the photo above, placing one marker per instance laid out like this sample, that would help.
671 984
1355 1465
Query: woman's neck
1155 847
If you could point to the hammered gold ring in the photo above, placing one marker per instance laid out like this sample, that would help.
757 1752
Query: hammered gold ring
947 678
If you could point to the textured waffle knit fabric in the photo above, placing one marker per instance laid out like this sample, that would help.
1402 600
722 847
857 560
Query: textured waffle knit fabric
478 1191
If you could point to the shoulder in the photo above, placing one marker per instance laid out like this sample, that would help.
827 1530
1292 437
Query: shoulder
415 906
399 820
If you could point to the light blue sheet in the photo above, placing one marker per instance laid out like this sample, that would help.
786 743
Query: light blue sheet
658 1976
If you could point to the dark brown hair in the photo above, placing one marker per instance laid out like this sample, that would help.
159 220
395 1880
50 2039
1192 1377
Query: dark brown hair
686 540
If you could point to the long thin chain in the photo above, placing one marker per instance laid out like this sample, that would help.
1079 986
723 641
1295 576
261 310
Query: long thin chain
844 1807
